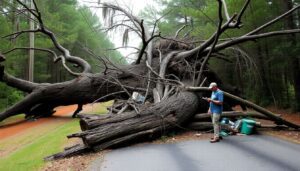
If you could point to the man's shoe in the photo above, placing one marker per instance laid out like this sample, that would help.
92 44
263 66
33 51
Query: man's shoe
215 140
221 138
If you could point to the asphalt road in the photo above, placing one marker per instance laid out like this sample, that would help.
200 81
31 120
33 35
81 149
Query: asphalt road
235 153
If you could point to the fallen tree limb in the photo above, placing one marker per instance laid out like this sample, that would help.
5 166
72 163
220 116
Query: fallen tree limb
273 126
247 103
158 118
232 114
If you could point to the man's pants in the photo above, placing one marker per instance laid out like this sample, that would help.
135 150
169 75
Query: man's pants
216 123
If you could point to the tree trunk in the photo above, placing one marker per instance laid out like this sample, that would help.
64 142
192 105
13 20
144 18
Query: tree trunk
43 98
232 114
155 119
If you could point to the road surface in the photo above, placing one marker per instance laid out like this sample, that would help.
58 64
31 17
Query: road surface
235 153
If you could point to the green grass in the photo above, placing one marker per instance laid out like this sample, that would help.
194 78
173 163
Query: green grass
33 146
30 157
12 119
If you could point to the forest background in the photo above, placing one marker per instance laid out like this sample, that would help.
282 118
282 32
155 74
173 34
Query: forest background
267 71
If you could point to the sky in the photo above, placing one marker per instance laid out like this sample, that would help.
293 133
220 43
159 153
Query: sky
135 6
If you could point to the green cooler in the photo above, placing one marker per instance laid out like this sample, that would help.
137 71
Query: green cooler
247 126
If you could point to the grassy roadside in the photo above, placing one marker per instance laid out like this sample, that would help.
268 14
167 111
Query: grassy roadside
30 156
26 151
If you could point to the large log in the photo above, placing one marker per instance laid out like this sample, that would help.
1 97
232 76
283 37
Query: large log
232 114
158 118
269 114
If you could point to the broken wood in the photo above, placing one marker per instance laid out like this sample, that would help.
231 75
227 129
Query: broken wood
232 114
70 151
255 107
163 72
158 118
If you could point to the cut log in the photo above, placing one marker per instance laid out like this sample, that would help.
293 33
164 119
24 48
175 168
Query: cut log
255 107
158 118
273 126
232 114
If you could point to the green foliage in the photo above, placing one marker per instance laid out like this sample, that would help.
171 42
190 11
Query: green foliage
269 80
8 96
75 27
27 150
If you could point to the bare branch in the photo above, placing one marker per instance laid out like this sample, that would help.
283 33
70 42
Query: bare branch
272 21
32 11
67 56
157 20
111 94
179 30
17 34
39 49
207 43
225 10
134 19
214 43
239 17
242 39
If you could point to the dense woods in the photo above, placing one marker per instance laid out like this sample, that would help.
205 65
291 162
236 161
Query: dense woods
270 73
76 27
248 47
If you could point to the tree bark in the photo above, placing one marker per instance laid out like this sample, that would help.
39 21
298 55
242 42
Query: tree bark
82 90
231 114
158 118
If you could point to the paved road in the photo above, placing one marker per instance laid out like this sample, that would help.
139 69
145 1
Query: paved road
235 153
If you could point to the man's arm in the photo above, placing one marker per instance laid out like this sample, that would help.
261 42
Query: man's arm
220 99
217 102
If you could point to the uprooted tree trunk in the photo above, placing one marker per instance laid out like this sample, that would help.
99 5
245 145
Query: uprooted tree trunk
170 73
155 119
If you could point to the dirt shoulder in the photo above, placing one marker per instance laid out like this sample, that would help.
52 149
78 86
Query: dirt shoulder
18 125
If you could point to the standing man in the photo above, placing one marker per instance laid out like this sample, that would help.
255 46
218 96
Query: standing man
215 109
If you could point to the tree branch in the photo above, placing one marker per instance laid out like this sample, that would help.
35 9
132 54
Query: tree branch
250 104
73 59
218 33
40 49
242 39
272 21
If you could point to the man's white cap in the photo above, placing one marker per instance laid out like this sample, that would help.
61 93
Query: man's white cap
213 84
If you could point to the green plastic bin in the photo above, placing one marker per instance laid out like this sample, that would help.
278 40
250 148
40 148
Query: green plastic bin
247 126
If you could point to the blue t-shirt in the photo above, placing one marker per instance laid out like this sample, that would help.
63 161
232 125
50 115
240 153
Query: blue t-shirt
216 95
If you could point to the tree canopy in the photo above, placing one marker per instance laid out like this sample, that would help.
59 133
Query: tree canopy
266 70
76 27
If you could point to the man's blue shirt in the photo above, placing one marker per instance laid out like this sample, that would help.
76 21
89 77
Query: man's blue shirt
216 95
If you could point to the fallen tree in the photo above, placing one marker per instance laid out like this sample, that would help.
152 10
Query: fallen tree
170 73
232 114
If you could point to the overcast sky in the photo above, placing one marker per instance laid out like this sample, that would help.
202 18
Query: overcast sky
135 6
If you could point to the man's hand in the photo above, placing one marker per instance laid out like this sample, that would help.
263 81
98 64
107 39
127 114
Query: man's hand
207 99
209 112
